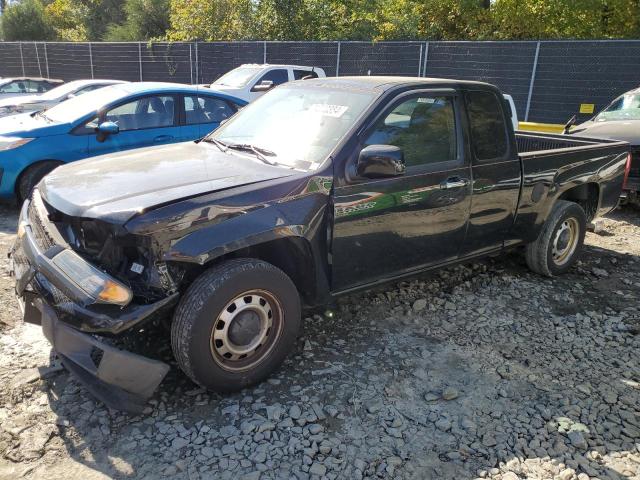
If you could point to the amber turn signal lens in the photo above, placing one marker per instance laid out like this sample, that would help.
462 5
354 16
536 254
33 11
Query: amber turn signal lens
114 293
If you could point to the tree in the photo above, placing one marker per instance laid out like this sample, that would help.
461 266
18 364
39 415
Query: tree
68 18
145 20
26 20
211 20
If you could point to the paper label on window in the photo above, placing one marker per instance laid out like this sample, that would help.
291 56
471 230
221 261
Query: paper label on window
426 100
329 110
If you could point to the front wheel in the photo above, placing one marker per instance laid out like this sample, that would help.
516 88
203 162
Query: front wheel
236 324
559 244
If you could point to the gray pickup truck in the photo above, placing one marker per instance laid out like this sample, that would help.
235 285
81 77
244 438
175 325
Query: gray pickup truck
317 189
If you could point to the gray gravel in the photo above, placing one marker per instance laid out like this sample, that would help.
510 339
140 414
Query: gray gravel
480 371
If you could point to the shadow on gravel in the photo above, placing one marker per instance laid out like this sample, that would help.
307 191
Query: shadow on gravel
480 370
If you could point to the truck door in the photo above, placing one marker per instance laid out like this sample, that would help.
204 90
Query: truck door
387 227
495 172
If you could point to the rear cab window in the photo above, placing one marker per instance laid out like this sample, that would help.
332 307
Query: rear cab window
487 123
304 74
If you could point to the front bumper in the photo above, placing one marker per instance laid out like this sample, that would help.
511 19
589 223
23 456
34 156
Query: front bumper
121 379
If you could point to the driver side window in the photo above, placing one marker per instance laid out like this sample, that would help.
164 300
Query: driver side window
422 126
143 113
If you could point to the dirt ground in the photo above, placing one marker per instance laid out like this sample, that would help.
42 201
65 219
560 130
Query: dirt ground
483 370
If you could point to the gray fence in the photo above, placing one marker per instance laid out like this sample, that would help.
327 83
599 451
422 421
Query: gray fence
548 80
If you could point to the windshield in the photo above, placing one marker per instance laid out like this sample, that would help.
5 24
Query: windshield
61 91
79 107
626 107
238 77
298 126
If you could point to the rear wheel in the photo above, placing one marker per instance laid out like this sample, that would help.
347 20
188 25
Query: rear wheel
559 244
236 324
32 176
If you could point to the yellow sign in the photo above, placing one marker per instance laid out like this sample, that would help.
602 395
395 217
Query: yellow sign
587 107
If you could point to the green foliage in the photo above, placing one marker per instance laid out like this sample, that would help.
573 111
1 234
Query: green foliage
78 20
26 20
145 20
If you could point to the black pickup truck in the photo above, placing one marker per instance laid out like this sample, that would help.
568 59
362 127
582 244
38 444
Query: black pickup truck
317 189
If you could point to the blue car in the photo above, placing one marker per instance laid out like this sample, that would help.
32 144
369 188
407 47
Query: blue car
111 119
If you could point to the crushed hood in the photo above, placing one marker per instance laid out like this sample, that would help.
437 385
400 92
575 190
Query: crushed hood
115 187
625 130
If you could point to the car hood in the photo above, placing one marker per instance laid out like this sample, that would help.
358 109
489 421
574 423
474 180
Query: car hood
116 187
27 125
7 102
626 130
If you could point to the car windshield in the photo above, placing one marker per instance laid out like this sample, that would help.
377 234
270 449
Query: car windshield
238 77
298 126
626 107
61 91
79 107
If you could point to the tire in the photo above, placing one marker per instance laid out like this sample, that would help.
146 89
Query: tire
566 225
32 176
222 314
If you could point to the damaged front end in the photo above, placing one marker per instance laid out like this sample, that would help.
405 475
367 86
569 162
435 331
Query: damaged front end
80 277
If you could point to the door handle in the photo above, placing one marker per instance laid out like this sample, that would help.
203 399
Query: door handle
454 182
163 138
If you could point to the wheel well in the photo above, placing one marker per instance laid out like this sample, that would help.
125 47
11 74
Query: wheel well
30 167
586 195
291 255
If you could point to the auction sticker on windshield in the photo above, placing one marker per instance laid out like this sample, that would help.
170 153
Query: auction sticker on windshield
329 110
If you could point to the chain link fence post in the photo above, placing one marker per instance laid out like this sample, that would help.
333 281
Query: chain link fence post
420 62
22 60
424 60
532 81
197 64
264 52
338 60
46 59
91 59
140 58
191 62
35 45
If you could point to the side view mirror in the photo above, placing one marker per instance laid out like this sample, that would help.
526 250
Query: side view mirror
569 124
380 161
108 128
263 86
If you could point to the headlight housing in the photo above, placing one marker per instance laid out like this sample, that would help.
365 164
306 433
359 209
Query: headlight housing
9 143
92 281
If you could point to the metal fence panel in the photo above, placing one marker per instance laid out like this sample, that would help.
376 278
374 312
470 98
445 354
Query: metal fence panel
217 58
118 61
10 63
313 54
388 58
508 65
567 73
69 61
574 72
166 62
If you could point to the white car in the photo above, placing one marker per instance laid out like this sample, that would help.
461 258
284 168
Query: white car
14 87
36 103
249 81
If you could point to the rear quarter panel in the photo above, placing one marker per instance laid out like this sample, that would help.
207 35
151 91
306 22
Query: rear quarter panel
549 174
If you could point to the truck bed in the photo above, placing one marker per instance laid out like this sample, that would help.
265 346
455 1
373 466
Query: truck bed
550 163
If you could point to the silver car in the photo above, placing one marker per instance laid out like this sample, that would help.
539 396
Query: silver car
17 86
36 103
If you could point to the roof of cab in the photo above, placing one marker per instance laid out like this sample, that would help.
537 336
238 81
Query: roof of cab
158 87
381 83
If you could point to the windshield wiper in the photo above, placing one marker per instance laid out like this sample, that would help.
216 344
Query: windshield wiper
221 145
260 153
43 116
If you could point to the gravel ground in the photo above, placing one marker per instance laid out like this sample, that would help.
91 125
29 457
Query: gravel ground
483 370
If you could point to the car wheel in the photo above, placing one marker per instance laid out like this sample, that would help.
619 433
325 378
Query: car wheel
559 244
32 176
236 324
